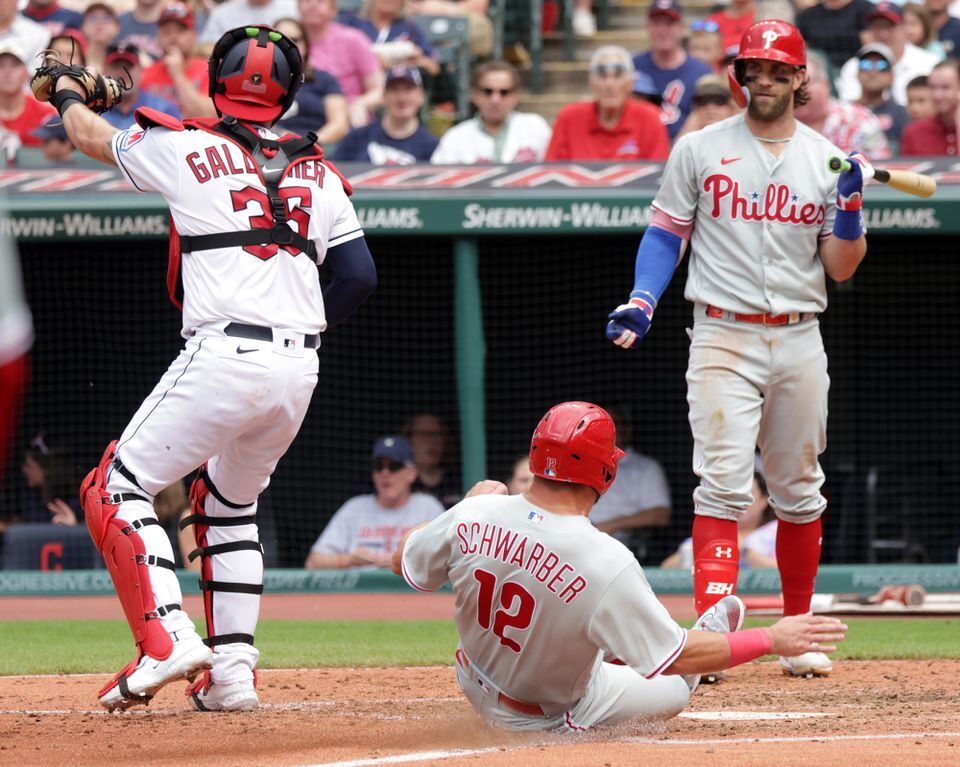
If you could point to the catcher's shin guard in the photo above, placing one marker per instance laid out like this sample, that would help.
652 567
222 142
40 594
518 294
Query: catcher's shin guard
227 542
716 562
126 558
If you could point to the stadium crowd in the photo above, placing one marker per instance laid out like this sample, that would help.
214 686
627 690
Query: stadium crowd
882 77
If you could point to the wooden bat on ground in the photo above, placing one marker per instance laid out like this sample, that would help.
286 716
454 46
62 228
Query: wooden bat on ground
912 595
907 181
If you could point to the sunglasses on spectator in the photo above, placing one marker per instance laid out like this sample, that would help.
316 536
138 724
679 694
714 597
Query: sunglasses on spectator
602 70
385 463
504 92
874 65
704 26
718 100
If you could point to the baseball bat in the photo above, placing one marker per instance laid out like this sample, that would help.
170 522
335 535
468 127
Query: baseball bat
907 181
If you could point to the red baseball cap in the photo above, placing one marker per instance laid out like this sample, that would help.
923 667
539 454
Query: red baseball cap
887 11
77 36
180 13
669 8
127 53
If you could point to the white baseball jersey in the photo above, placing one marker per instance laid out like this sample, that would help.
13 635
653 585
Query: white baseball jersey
361 521
541 598
212 186
523 138
640 485
757 218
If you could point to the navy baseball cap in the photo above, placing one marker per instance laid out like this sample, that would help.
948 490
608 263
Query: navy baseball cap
887 11
400 72
52 128
394 448
669 8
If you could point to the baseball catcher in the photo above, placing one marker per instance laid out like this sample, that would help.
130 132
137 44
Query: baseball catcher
767 222
252 214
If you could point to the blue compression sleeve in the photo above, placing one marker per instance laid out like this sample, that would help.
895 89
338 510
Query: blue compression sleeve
657 259
355 277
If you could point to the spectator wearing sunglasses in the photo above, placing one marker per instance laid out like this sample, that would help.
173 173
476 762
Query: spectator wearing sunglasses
613 126
712 103
124 62
497 133
705 44
876 79
673 70
731 22
366 530
885 25
848 125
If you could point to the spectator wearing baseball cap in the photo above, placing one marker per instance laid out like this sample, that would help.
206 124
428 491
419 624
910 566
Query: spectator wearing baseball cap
241 13
366 530
52 16
712 103
320 105
613 126
100 27
180 77
834 27
848 125
876 78
20 112
139 27
885 26
398 138
125 63
937 135
25 34
57 147
674 71
71 46
498 133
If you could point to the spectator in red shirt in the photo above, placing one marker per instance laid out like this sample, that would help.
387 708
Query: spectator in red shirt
180 76
936 135
733 22
614 126
20 112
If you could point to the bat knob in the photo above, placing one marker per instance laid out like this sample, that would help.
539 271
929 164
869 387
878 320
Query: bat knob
835 163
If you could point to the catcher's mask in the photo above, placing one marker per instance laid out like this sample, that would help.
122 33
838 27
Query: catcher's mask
576 442
255 73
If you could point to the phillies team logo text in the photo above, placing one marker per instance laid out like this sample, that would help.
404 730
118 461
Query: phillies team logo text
777 203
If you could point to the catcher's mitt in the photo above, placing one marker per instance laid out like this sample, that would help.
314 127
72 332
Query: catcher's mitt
101 92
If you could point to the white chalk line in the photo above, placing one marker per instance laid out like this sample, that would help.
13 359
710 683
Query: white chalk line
259 671
433 756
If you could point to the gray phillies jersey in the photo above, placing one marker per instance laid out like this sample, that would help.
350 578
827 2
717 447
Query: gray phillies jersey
757 218
541 598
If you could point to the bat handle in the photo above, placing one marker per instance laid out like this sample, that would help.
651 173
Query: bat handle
838 165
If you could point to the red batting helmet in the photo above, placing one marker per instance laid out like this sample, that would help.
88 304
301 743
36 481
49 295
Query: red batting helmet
773 40
255 73
576 442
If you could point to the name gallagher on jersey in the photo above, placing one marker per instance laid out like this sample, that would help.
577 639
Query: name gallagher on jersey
220 161
777 203
496 542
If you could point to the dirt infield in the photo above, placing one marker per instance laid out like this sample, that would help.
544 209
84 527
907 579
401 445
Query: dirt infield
867 713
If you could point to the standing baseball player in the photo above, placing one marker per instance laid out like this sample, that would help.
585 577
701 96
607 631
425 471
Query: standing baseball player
765 220
544 598
254 215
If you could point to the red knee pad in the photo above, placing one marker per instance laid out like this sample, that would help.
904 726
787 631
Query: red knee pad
125 556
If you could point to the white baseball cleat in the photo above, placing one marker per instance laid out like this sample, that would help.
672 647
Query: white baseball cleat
808 665
206 695
726 615
141 680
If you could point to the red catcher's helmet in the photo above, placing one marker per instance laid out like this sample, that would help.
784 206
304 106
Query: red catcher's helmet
255 73
773 40
576 442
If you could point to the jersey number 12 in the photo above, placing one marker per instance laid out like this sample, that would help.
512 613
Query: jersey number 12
501 619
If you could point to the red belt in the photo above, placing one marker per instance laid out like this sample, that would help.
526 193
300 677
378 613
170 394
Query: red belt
790 318
528 709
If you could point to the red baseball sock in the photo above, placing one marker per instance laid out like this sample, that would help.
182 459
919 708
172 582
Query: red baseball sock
716 562
798 555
